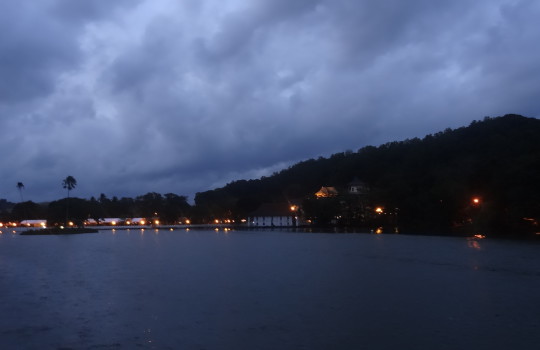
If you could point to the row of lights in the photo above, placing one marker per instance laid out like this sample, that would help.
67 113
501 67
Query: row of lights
14 224
143 222
379 210
228 221
114 223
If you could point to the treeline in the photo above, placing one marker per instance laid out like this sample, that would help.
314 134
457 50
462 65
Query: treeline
168 207
427 185
431 180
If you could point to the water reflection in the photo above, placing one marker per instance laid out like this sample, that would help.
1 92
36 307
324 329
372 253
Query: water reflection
473 242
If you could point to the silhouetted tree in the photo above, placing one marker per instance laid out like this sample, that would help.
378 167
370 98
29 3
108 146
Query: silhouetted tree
27 210
149 205
20 186
174 207
68 183
79 209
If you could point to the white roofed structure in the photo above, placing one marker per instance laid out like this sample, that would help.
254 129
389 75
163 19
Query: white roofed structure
34 223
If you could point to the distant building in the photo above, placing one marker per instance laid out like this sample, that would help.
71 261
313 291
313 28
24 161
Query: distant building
111 221
90 221
274 215
326 192
138 221
357 187
34 223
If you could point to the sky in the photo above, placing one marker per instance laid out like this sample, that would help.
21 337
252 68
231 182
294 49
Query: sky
169 96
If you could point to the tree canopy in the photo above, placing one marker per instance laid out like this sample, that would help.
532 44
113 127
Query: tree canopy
69 183
430 180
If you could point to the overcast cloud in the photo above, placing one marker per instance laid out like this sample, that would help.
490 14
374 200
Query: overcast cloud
185 96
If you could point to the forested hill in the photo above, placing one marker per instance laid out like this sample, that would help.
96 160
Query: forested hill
430 180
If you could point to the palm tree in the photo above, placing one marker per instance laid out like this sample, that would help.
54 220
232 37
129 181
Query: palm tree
68 183
20 186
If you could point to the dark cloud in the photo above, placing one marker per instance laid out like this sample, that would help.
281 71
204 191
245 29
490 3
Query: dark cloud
83 11
167 96
33 50
40 41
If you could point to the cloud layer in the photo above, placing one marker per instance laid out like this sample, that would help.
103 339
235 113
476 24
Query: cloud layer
136 96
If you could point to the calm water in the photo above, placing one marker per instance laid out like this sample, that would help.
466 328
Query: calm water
267 290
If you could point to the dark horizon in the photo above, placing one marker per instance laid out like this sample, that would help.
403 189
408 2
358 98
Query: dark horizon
475 178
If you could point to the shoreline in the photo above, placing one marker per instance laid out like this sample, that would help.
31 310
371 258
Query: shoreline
298 229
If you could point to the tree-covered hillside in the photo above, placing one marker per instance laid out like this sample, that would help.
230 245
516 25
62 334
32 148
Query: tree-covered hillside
431 180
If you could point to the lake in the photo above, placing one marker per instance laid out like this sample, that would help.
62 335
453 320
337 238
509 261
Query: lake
197 289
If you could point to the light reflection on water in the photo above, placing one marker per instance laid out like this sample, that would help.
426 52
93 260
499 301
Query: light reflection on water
473 243
225 289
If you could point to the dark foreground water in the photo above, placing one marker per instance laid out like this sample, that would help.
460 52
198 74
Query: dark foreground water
267 290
